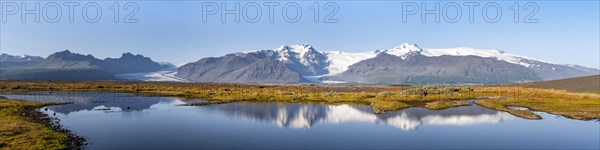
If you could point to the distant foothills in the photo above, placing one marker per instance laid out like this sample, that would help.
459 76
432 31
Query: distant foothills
404 64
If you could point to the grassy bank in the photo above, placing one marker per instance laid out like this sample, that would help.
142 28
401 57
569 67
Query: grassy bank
439 105
382 98
575 98
23 127
495 104
582 106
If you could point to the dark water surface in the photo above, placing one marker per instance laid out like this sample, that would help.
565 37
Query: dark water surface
123 121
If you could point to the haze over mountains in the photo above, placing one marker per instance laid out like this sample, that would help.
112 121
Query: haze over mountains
21 58
66 65
404 64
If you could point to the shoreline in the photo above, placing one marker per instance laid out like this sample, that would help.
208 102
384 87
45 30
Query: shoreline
24 118
74 141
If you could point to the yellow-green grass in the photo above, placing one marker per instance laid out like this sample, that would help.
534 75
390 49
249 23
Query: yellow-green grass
22 132
583 106
439 105
495 104
245 92
383 98
384 106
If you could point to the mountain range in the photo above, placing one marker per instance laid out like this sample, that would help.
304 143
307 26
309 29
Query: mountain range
407 63
66 65
22 58
404 64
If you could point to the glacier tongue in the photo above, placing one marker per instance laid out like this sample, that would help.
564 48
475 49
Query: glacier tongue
165 76
340 61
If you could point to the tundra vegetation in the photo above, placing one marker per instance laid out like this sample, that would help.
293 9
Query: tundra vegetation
23 127
583 106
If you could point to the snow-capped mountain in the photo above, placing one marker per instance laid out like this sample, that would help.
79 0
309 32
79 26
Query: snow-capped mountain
301 58
304 63
405 50
404 63
545 70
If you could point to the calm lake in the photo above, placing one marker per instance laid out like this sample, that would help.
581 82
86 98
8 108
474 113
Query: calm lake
123 121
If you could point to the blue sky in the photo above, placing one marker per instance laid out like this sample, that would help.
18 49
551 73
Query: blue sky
567 32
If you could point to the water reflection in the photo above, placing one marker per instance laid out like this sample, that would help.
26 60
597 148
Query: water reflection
304 116
123 121
298 116
89 100
94 100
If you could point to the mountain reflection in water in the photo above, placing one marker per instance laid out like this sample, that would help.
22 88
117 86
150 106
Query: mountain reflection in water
125 121
304 116
298 116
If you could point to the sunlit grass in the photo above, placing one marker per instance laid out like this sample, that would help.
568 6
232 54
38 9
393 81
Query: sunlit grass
495 104
584 106
20 132
438 105
384 106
